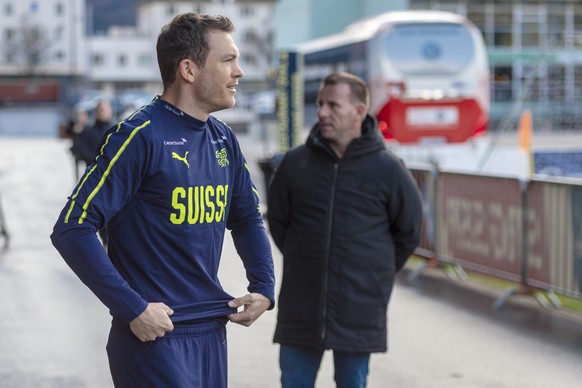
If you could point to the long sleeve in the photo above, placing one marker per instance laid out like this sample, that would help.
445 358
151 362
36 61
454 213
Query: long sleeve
249 234
278 207
80 248
406 225
252 245
93 203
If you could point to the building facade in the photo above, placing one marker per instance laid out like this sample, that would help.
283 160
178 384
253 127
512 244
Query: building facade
47 39
534 46
42 38
535 55
126 56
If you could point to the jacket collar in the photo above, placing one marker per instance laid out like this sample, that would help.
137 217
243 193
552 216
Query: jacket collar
370 141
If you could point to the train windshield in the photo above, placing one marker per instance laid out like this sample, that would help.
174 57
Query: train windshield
429 48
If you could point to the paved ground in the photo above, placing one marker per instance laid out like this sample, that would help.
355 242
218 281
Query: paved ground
442 333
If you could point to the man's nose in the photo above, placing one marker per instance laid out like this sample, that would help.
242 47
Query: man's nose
322 111
238 71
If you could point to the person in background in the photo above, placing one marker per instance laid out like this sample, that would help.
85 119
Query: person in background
87 141
346 215
168 181
73 130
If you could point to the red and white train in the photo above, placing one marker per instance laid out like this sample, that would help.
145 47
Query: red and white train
427 72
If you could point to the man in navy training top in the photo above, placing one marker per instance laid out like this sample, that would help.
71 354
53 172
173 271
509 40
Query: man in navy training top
168 181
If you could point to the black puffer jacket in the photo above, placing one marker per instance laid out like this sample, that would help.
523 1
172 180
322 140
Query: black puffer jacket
345 227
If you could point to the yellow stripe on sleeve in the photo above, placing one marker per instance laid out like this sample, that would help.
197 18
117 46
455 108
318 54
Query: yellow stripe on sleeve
105 174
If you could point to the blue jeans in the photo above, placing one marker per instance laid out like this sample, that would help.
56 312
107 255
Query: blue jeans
299 368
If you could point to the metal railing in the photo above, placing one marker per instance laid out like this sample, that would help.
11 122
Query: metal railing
525 231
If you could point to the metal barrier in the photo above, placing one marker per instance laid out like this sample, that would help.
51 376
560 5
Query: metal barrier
528 232
555 239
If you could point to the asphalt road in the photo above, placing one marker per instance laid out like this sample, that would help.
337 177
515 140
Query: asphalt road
443 333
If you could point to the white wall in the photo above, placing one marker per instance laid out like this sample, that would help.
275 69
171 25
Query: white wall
63 31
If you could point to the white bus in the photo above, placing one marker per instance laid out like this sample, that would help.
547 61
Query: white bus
427 72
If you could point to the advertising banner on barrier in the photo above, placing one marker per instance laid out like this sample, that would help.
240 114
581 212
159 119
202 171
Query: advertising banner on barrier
556 262
523 231
480 222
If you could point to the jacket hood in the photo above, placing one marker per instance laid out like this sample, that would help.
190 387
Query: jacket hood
370 141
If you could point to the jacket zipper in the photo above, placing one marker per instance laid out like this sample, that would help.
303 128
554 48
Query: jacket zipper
327 253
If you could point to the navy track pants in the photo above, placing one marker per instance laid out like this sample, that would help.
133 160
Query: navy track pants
191 356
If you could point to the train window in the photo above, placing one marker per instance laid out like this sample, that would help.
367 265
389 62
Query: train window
429 48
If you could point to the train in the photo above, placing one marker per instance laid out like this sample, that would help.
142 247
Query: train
427 72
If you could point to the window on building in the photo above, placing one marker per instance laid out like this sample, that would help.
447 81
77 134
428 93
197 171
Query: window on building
503 21
97 59
557 25
532 20
170 10
478 15
59 31
35 58
122 60
9 35
250 36
530 34
59 56
578 83
248 59
247 11
557 86
532 84
502 89
8 9
144 59
577 25
59 9
452 6
418 4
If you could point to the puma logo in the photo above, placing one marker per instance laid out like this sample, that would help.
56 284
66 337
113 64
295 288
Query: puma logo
183 159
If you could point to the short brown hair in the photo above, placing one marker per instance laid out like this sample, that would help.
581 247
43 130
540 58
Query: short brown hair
186 37
358 87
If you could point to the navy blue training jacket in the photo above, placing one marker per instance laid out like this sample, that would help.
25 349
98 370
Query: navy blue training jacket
167 186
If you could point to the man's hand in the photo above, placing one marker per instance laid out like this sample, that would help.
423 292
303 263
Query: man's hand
254 305
154 322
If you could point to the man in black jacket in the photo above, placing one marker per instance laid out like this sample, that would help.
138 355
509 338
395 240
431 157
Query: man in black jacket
346 214
86 142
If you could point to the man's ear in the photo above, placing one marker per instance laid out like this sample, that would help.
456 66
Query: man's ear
187 70
362 110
